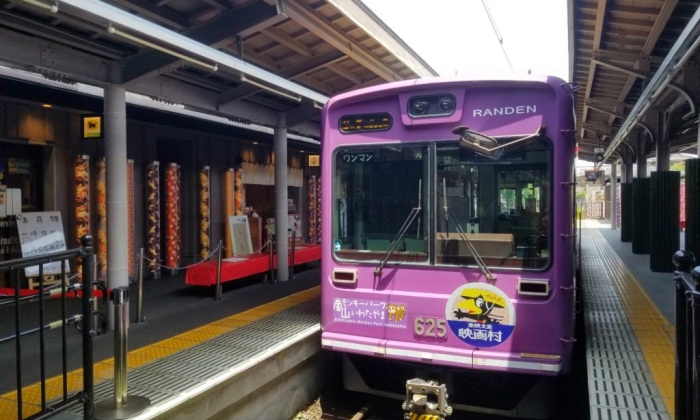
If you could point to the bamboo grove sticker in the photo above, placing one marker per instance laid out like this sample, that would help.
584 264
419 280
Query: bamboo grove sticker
480 315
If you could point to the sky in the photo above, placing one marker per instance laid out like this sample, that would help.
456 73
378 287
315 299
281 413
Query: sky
534 33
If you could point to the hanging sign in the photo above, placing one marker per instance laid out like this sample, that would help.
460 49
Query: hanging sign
92 127
314 160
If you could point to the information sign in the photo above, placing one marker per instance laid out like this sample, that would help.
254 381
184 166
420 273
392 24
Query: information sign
41 233
240 235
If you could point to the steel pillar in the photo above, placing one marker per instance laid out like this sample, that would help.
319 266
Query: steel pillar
281 198
613 196
641 157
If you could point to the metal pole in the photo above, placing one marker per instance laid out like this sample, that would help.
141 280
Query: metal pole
694 302
293 251
139 305
120 299
88 380
613 196
641 156
218 271
698 151
123 406
271 247
681 365
281 209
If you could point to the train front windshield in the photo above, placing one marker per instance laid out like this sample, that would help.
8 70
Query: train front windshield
502 205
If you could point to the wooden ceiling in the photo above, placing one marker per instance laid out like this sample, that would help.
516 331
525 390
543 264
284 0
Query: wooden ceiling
615 46
328 46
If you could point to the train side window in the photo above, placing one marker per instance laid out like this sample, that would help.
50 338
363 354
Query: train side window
376 192
502 205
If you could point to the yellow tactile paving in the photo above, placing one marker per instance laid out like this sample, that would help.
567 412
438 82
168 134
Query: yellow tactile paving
656 336
175 343
31 395
232 323
101 370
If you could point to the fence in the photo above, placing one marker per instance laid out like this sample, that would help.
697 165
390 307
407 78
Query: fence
83 321
594 210
687 279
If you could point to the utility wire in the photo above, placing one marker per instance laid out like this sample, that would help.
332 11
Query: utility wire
498 34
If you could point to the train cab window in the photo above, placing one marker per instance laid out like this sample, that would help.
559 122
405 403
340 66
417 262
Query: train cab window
501 206
380 193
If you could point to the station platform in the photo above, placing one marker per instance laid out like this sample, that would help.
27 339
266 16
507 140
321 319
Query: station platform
629 340
630 352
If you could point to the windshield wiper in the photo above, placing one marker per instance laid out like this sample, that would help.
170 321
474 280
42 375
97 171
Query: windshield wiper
406 224
450 217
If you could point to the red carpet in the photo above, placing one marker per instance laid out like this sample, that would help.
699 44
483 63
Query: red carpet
239 267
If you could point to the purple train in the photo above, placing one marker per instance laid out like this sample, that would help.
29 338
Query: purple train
449 246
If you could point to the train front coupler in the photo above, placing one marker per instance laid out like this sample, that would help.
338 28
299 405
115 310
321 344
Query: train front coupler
425 400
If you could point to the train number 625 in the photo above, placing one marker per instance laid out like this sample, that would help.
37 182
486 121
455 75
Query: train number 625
429 327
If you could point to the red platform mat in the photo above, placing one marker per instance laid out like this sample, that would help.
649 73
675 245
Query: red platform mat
9 291
239 267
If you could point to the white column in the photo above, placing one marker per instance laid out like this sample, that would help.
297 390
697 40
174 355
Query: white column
115 156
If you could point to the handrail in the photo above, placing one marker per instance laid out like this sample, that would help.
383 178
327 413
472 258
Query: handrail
84 321
25 262
687 389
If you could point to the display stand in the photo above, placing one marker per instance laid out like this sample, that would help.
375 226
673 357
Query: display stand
240 235
41 233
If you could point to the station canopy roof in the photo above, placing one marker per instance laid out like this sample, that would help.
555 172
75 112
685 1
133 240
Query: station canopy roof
244 60
616 48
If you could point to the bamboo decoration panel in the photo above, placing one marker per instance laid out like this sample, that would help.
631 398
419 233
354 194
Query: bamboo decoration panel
229 208
172 215
311 206
101 185
239 192
318 210
204 213
81 167
130 214
82 196
153 221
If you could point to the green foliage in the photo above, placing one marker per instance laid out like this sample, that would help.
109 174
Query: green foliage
678 166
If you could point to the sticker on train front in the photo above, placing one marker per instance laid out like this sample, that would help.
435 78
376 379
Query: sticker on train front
374 313
480 315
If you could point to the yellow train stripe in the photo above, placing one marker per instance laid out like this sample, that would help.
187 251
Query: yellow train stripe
103 370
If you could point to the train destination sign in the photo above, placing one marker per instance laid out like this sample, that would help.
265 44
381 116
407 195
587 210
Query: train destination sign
367 122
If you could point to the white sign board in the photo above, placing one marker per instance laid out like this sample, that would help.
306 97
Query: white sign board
41 233
240 235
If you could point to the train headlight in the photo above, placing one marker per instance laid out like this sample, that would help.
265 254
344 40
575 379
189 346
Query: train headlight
425 106
446 104
419 107
533 287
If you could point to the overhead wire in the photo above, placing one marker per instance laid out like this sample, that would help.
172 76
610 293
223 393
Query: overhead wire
498 34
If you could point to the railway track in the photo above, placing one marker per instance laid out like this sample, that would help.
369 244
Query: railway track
338 404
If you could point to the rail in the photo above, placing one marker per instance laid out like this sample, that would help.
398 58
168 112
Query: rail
687 282
83 322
